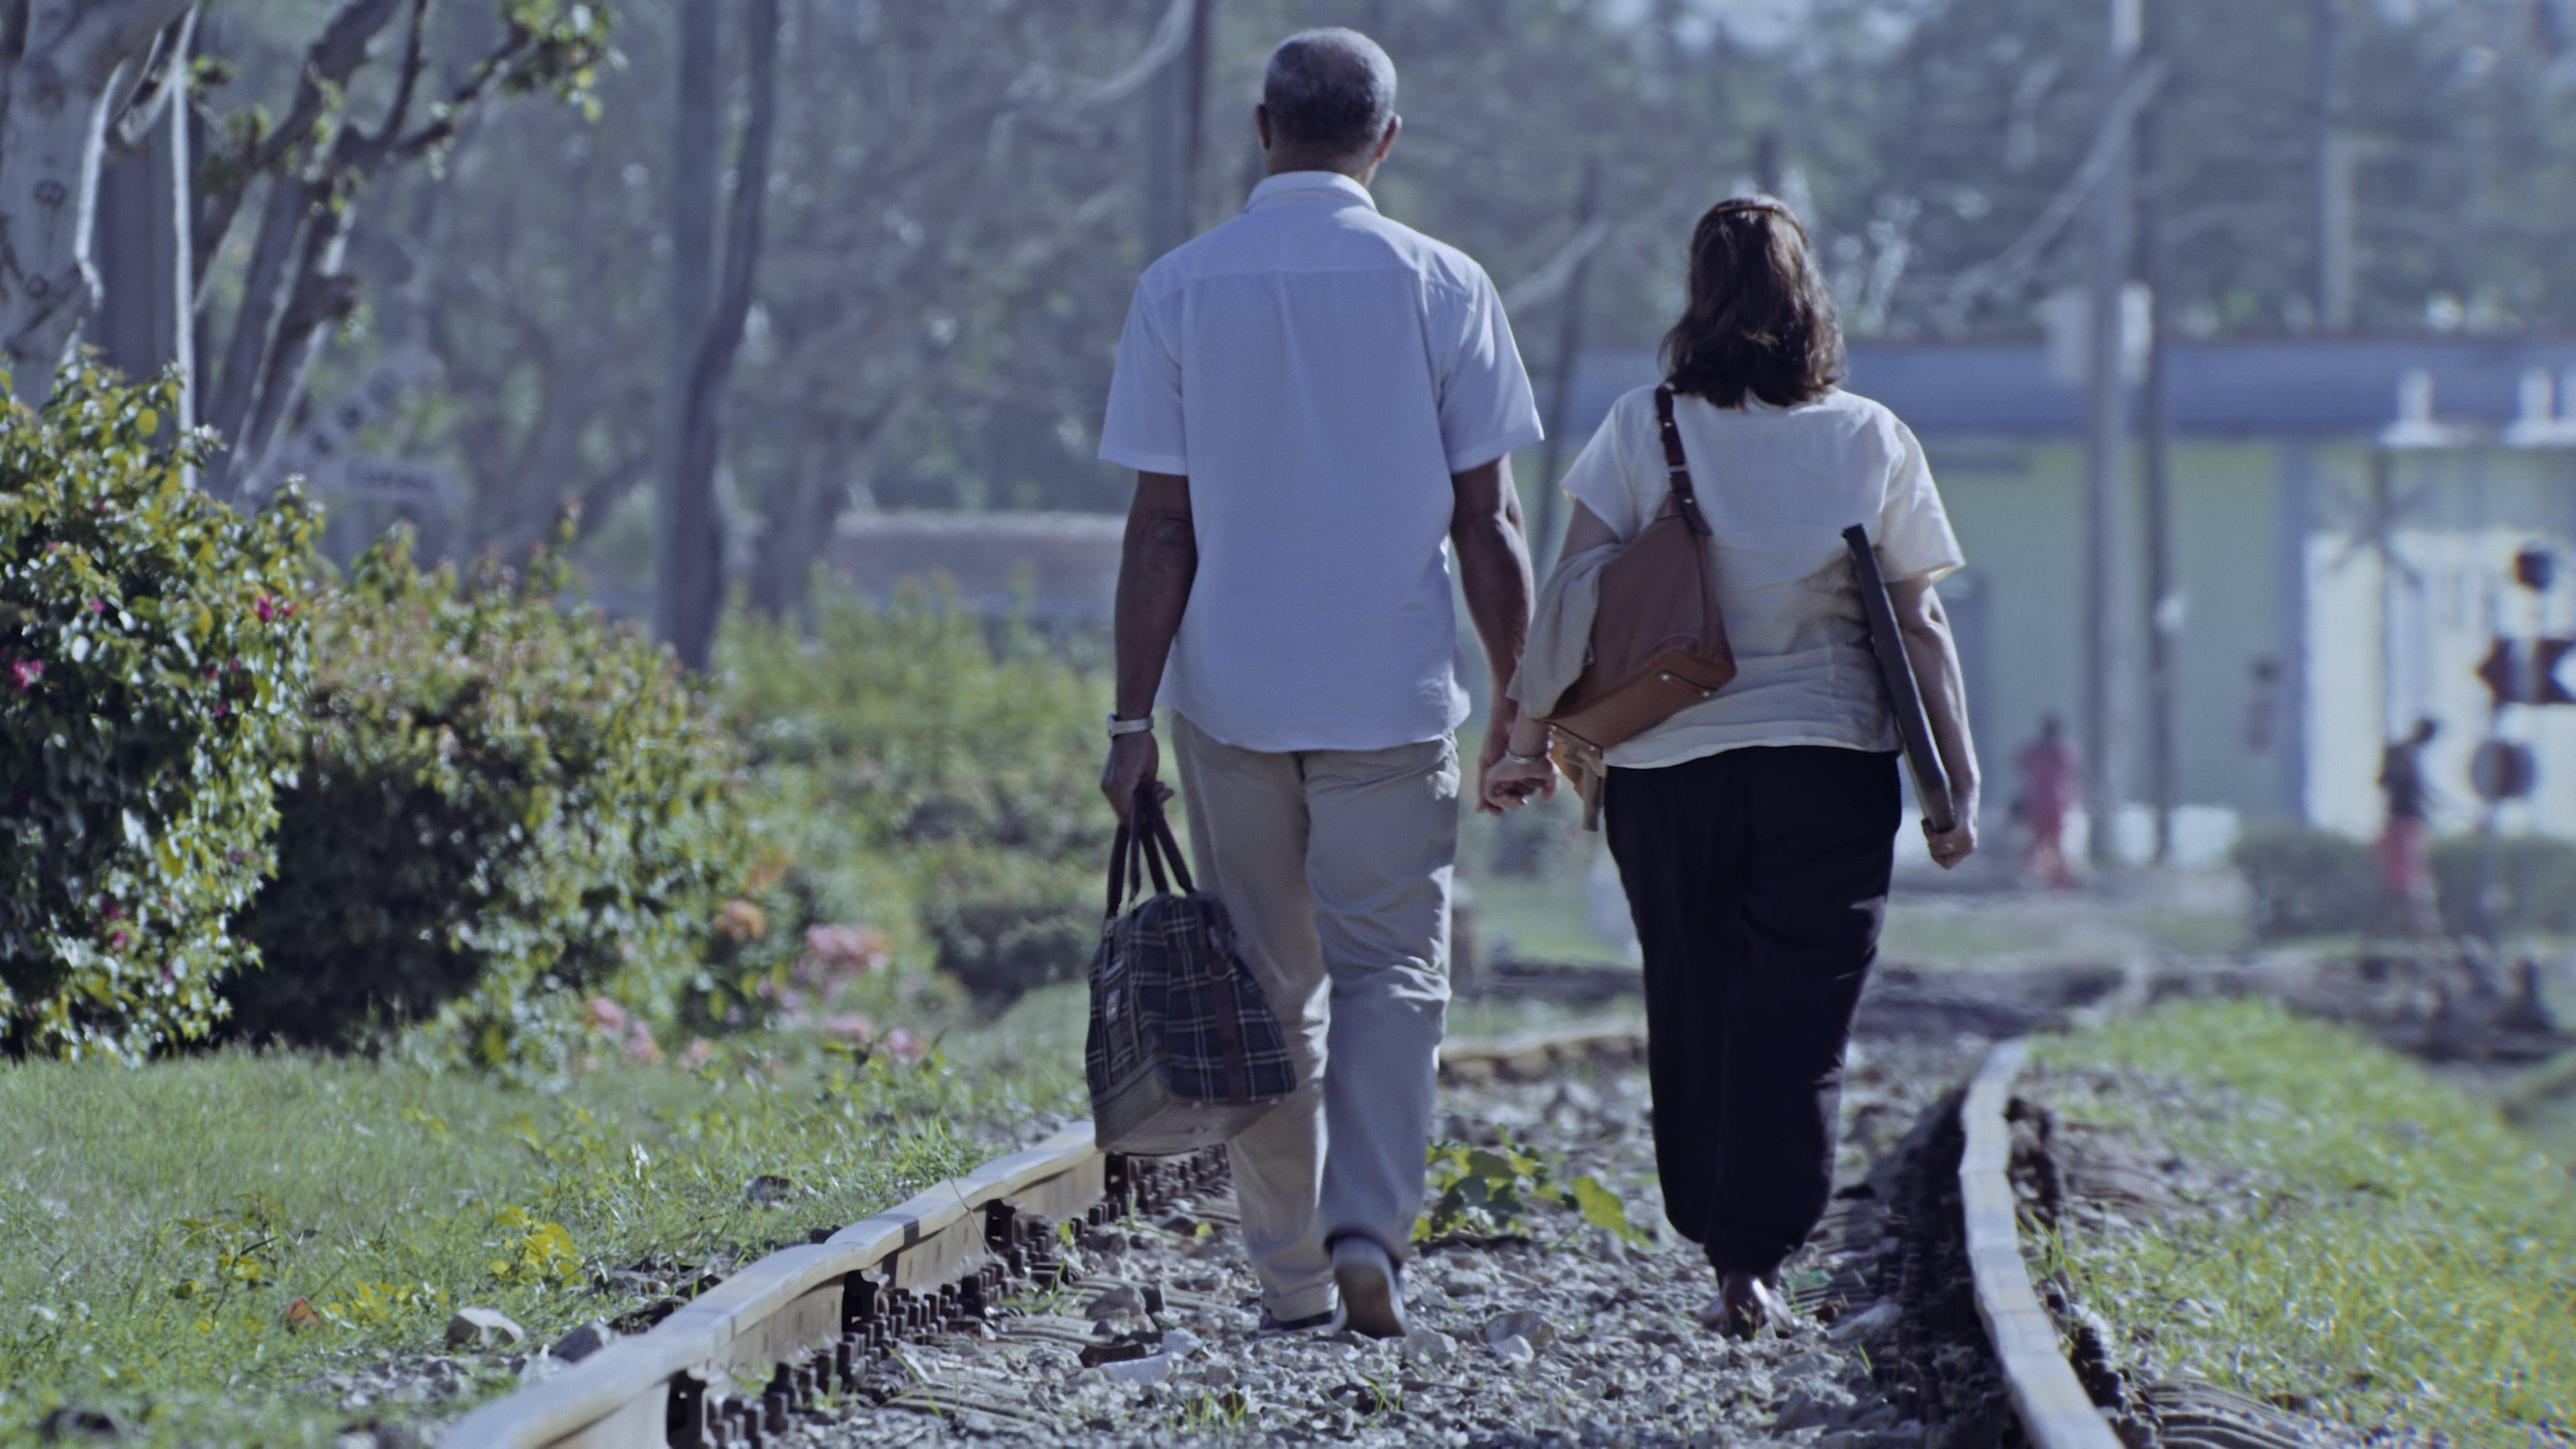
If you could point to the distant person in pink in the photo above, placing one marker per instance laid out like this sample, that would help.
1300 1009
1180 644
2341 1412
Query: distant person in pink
2405 842
2049 769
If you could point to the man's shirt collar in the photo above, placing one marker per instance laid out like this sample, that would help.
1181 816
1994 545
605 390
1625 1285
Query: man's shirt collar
1309 183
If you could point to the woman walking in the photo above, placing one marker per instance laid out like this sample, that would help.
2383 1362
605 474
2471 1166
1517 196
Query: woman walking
1755 830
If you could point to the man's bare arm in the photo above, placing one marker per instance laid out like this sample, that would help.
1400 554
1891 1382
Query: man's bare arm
1494 568
1156 568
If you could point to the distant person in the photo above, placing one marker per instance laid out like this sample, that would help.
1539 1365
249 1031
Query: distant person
2405 841
1755 830
1321 404
2050 770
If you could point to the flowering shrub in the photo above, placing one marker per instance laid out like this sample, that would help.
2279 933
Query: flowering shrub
505 808
152 664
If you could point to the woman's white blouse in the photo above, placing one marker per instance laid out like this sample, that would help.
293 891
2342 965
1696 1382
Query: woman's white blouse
1779 486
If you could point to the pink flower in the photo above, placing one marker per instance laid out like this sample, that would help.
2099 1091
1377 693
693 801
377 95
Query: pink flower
903 1046
606 1015
116 941
266 608
849 1026
697 1053
641 1049
840 950
98 606
25 672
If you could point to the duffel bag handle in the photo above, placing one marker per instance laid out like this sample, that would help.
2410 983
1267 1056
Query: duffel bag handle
1161 848
1144 845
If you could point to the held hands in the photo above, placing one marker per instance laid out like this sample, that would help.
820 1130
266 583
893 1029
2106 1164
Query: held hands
1503 784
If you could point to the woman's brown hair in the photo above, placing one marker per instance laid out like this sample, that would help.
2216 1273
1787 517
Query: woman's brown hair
1760 321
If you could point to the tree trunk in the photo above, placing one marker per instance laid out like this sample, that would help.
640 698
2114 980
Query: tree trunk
684 551
61 70
1175 103
691 593
1569 354
145 320
2336 169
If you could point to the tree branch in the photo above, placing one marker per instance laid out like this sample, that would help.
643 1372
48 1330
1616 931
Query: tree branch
163 74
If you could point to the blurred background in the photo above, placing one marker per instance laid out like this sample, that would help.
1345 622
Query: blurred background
2240 337
2261 530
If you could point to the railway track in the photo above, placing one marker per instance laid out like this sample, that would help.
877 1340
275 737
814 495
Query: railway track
1061 1294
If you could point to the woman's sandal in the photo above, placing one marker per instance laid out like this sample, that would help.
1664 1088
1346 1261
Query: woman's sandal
1744 1303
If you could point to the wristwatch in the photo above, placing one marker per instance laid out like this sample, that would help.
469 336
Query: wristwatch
1119 726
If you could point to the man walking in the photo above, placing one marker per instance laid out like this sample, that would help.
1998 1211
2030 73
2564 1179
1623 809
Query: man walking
1316 399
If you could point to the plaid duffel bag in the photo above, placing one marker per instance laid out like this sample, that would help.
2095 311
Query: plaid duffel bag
1184 1051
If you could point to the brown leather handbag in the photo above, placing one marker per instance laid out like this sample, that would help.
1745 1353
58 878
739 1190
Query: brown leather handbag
1658 645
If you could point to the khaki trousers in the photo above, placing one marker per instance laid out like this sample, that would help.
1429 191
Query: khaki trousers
1335 867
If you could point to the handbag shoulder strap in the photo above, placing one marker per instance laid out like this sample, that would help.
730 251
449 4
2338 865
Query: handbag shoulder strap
1677 467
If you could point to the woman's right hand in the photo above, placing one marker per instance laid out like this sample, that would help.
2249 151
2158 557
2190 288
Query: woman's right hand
1952 847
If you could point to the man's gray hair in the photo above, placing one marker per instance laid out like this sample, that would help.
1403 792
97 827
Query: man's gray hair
1330 94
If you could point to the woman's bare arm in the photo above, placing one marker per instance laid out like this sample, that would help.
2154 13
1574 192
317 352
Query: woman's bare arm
1934 653
1584 531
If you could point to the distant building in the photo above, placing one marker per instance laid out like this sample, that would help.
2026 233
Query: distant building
2297 652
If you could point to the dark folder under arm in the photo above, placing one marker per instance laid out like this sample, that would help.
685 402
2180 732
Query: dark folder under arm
1904 696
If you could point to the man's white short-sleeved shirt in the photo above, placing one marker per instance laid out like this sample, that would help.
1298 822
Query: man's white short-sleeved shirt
1317 372
1778 486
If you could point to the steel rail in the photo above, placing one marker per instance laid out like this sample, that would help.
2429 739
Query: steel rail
2055 1410
729 1369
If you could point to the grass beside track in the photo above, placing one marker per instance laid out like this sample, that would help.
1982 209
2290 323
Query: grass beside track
2380 1249
199 1246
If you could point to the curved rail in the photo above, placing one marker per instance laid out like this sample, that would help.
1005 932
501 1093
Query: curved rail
730 1367
2054 1408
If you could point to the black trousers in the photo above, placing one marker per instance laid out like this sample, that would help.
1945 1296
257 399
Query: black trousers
1758 881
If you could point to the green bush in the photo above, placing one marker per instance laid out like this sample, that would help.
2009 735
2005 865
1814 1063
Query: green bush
2534 887
503 807
2309 883
946 777
1004 922
152 660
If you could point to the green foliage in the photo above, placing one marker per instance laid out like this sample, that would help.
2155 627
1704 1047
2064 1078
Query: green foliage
152 661
504 806
2308 883
2381 1248
1490 1192
2534 888
949 778
2317 883
564 44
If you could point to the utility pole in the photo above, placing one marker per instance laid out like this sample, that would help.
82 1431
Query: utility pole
2336 167
1569 351
1175 103
2164 601
2106 448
